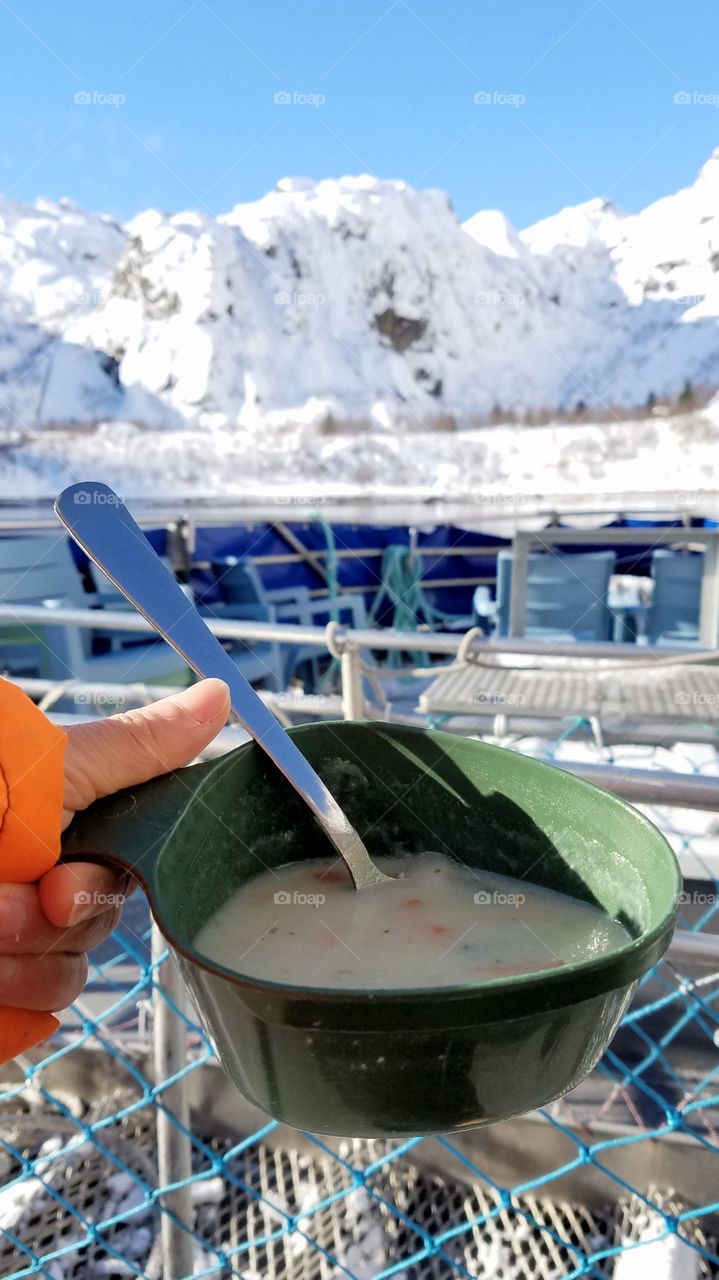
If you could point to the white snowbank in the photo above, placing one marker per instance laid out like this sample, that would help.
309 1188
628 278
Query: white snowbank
490 476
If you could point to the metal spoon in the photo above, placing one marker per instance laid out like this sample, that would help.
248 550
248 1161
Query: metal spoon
100 523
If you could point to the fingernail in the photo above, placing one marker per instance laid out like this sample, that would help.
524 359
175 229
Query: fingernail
96 895
194 700
86 904
13 917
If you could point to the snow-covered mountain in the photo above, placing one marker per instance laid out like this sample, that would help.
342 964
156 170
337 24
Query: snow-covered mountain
352 300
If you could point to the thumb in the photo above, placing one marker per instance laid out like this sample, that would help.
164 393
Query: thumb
106 755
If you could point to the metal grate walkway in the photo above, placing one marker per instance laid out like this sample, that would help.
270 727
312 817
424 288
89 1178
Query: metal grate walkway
685 694
365 1211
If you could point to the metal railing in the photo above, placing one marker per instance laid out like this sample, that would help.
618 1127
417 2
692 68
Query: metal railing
640 786
441 644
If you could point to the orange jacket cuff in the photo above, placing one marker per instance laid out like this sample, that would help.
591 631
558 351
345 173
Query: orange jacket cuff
32 754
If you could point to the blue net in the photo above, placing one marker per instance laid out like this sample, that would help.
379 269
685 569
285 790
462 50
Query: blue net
619 1177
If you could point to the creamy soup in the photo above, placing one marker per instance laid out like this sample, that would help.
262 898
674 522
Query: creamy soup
438 924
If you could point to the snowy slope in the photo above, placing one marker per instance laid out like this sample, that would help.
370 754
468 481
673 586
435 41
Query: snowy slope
56 267
352 301
657 272
485 477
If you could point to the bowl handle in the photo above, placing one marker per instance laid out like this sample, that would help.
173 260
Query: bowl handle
129 829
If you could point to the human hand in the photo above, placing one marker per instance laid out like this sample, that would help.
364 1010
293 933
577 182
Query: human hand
47 928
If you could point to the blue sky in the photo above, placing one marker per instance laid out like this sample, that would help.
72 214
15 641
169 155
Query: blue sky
581 99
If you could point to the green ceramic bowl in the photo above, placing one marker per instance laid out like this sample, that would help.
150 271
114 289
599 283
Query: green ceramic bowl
393 1063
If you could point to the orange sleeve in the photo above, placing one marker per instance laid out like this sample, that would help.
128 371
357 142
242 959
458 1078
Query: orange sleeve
32 752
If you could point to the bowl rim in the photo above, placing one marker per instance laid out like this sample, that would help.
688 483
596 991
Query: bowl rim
626 959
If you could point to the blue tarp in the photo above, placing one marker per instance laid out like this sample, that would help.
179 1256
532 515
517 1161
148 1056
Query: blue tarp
365 570
264 539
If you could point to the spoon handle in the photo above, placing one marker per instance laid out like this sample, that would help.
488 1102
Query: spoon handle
100 523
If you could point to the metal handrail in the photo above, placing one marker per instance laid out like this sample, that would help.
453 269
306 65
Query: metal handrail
443 644
640 786
649 786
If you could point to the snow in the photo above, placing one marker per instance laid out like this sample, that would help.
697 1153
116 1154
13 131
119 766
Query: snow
353 301
666 1258
490 228
16 1199
370 1251
207 1190
490 475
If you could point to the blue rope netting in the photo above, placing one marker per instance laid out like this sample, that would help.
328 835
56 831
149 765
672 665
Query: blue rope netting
620 1177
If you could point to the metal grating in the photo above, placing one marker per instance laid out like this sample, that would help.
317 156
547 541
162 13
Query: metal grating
387 1211
685 694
